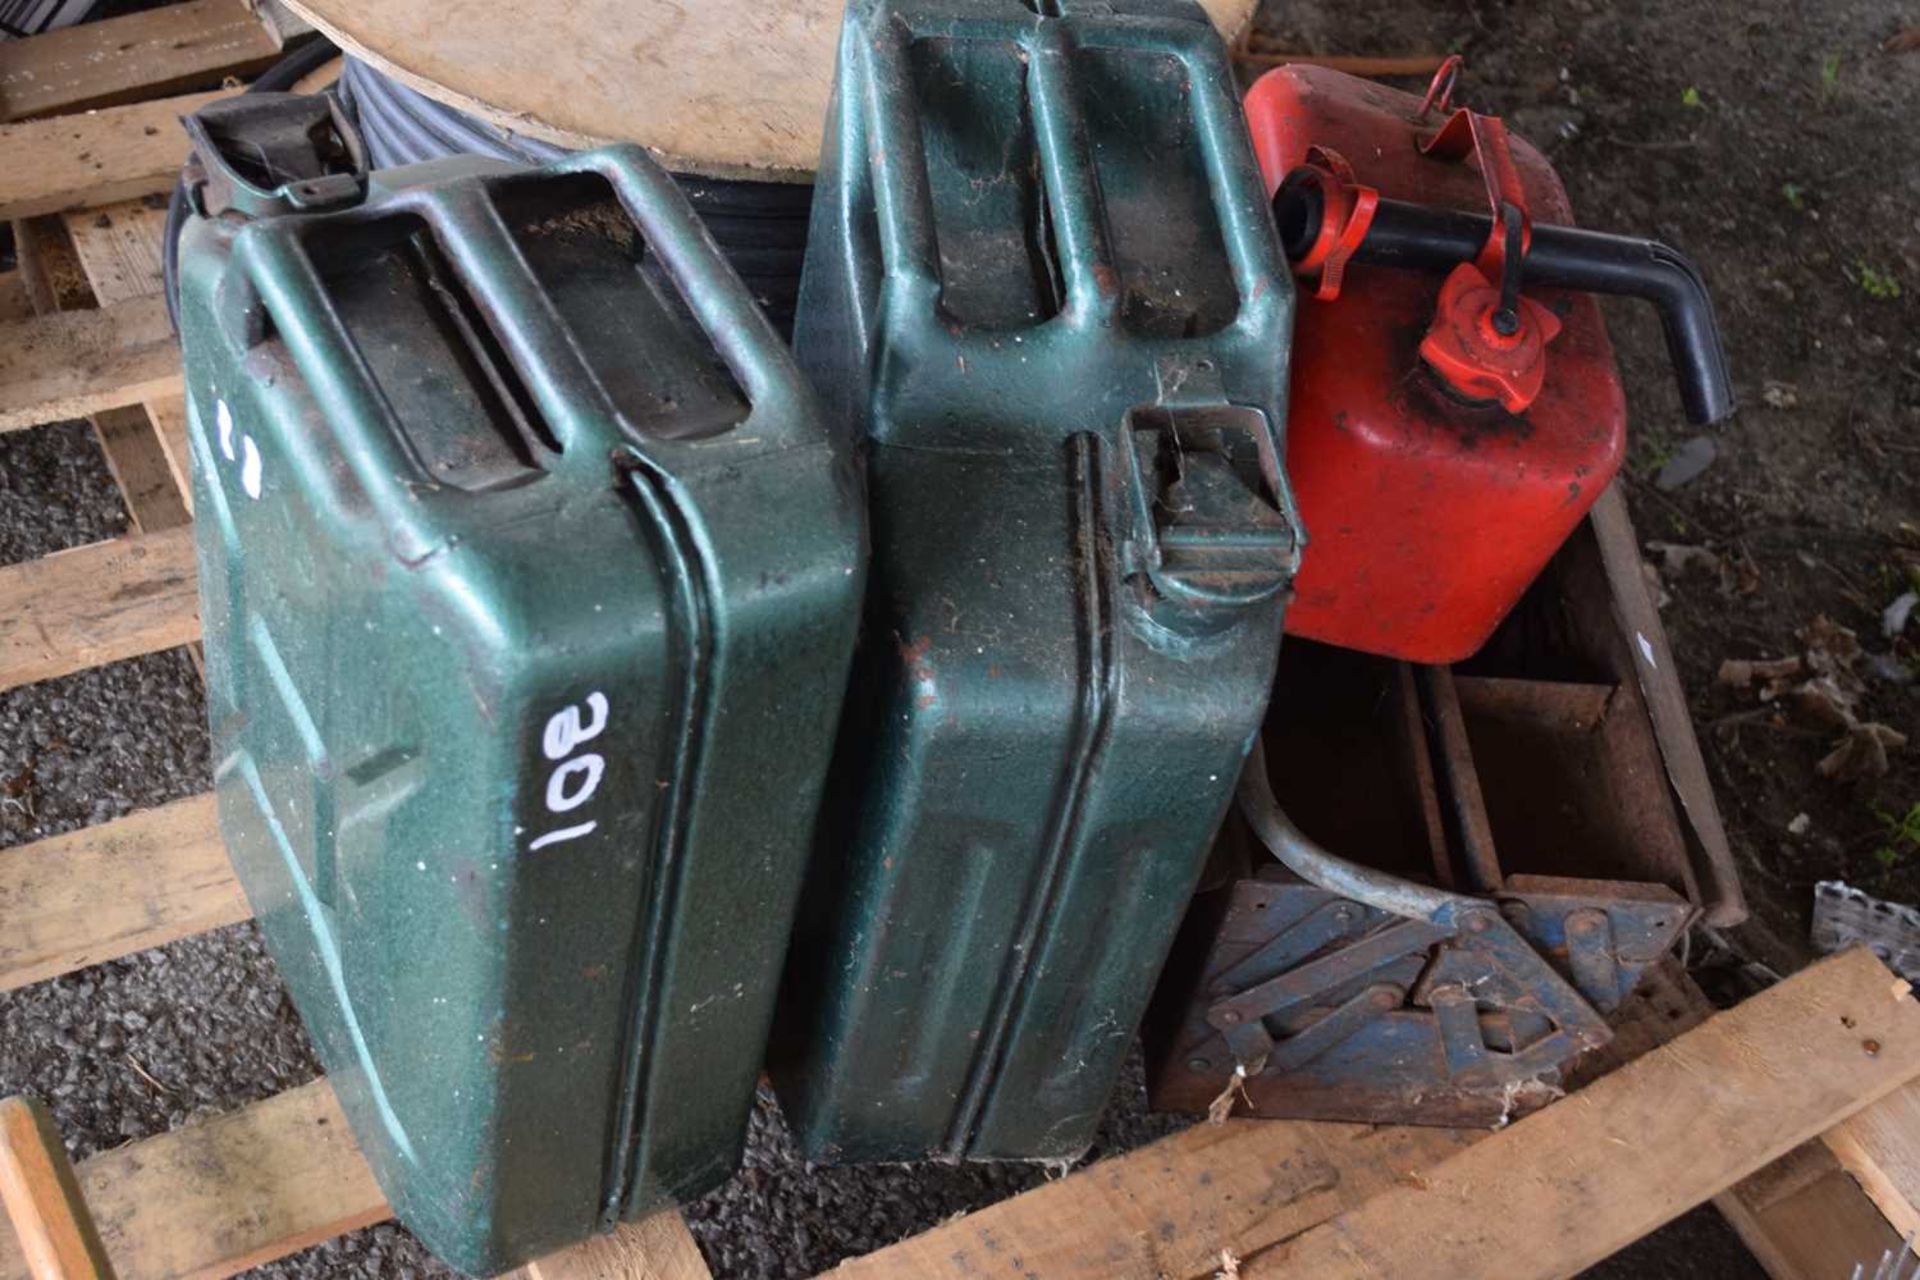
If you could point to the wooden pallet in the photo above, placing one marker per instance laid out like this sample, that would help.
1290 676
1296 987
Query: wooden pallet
1797 1112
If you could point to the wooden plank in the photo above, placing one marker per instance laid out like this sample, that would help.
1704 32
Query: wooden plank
49 269
97 604
1803 1217
140 468
75 363
43 1200
322 77
15 302
138 55
1566 1187
1172 1208
119 248
217 1197
80 161
656 1248
105 891
1881 1148
169 416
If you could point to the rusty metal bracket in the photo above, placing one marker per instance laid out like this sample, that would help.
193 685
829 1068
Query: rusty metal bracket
1336 989
1331 1008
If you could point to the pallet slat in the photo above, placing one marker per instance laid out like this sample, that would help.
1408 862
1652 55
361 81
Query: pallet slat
1647 1142
48 268
140 468
78 162
110 890
1881 1148
1804 1218
169 416
75 363
42 1198
119 248
97 604
134 56
212 1199
16 303
215 1198
656 1248
1172 1207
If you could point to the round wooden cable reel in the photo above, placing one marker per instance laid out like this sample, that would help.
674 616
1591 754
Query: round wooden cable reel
719 88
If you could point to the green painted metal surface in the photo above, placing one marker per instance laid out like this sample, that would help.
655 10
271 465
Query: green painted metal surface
1044 290
530 581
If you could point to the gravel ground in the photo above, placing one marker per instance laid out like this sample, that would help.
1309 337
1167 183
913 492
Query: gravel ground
1690 122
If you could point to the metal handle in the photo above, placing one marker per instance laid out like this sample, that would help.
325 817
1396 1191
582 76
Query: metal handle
1421 237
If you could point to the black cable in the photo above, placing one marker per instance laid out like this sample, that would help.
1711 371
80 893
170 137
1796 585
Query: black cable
278 78
761 227
403 126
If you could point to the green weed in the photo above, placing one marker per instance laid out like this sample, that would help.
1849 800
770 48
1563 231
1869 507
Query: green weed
1903 836
1883 285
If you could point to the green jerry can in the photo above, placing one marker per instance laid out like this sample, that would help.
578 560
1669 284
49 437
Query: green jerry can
1043 288
530 579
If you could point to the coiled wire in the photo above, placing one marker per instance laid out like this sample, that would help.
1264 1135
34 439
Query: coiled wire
761 227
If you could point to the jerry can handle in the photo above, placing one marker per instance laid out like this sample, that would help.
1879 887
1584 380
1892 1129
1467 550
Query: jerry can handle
1320 204
267 153
1206 532
1422 237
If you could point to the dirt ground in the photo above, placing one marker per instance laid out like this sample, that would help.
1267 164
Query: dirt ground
1770 139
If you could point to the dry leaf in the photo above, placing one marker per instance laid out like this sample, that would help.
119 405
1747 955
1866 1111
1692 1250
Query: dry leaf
1221 1107
1822 686
1741 672
1862 753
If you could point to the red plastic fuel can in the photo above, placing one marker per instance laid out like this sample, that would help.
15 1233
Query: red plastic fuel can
1431 504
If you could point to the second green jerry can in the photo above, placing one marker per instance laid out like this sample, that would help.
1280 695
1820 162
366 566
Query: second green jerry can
1043 291
530 581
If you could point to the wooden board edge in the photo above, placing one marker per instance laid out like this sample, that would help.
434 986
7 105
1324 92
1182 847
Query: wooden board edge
1578 1181
113 889
96 604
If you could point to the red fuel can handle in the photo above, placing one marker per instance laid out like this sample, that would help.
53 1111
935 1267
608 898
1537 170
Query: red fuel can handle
1455 408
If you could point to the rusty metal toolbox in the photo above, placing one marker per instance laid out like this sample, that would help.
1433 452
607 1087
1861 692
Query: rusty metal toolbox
529 581
1043 288
1522 835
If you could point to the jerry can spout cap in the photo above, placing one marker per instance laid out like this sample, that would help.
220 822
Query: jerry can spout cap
267 153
